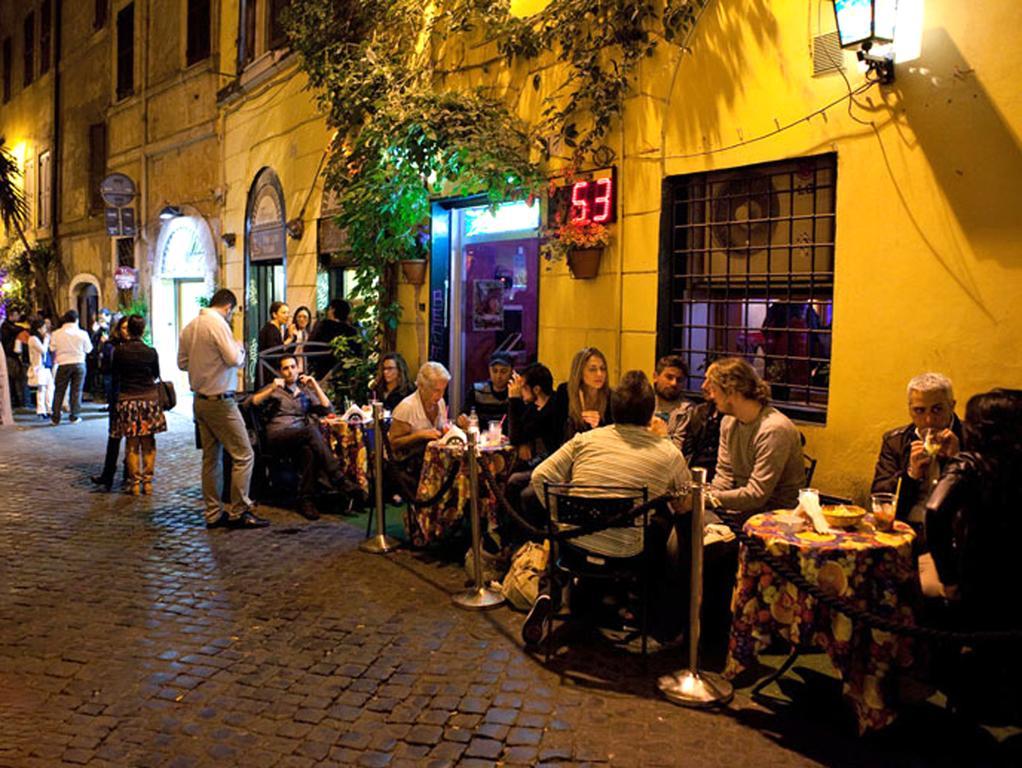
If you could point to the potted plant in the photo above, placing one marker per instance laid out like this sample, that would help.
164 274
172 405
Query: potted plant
413 266
580 243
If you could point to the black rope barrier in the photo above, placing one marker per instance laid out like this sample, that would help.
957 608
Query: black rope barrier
407 483
870 619
782 567
574 532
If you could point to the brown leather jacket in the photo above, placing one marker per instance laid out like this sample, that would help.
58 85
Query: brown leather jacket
892 463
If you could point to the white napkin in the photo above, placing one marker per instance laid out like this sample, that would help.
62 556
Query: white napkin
454 432
811 506
365 415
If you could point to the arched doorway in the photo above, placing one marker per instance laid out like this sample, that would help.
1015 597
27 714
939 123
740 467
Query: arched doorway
184 273
84 296
265 257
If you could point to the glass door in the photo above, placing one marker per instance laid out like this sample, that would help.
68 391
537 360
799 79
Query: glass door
494 284
187 294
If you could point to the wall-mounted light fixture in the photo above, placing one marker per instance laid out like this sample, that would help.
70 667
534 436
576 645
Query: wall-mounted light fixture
169 212
864 23
229 239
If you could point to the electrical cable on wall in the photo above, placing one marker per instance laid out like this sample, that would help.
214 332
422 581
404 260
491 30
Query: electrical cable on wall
780 129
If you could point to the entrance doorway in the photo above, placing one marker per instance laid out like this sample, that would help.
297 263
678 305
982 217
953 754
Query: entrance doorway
182 279
486 268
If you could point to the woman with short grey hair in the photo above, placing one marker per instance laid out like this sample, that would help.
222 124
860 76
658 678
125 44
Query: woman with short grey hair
422 416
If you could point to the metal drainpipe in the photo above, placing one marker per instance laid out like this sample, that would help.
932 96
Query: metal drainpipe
143 193
55 162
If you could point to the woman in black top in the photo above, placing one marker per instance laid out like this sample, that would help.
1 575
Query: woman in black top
113 444
392 381
583 402
277 331
138 417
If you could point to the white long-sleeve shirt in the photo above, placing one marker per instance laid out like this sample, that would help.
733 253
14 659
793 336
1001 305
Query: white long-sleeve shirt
209 352
70 344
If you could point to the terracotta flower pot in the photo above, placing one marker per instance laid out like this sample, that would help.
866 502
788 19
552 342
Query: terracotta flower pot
584 263
414 270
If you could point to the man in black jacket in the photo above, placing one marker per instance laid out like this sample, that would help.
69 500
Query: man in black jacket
907 456
335 324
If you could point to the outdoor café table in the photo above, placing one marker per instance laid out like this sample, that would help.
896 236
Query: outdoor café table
347 441
871 570
431 524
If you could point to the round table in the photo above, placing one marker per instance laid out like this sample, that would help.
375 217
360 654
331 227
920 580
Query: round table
347 441
433 523
869 569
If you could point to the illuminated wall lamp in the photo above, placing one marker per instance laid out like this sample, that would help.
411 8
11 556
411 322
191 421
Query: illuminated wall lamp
169 212
862 24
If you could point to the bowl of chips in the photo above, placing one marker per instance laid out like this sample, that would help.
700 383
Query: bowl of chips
843 515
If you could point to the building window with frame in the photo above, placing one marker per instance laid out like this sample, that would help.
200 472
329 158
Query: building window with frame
45 36
748 271
43 189
198 26
97 165
276 35
29 49
7 69
126 51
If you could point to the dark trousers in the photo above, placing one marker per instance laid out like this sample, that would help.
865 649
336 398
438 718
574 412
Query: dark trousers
73 375
16 379
314 456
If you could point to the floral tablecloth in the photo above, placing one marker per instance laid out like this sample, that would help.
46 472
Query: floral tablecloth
868 568
347 441
433 523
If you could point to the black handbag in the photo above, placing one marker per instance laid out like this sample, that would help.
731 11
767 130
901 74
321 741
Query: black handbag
166 395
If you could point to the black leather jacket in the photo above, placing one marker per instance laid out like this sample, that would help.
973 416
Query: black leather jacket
973 528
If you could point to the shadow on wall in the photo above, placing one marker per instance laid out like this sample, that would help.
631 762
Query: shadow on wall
974 155
718 64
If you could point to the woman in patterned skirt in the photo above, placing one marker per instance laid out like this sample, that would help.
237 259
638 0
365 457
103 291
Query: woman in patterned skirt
138 417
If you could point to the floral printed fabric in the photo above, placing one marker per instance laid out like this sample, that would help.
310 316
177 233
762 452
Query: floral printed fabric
432 523
347 441
869 569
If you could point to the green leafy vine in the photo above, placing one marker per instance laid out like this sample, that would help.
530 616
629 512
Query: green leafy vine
405 135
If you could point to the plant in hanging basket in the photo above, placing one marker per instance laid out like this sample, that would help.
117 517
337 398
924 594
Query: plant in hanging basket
574 235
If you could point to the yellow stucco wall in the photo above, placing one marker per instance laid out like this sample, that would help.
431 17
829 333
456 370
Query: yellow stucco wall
927 243
275 125
927 247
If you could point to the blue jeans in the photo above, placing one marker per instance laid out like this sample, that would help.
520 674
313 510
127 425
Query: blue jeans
72 374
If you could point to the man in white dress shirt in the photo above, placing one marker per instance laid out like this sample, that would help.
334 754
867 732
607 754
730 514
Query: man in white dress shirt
209 352
70 345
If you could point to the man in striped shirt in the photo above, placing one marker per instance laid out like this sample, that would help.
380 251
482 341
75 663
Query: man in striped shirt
626 453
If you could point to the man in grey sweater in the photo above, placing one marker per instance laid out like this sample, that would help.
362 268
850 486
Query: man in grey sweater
759 462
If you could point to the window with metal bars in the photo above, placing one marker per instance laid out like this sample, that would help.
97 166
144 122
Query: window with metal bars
747 270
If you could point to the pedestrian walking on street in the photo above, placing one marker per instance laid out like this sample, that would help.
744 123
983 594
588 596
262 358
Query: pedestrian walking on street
6 415
70 345
39 374
138 416
118 335
209 352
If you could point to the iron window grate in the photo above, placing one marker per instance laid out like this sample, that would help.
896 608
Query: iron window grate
748 271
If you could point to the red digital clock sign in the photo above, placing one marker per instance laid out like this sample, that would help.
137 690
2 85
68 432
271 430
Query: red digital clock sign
590 199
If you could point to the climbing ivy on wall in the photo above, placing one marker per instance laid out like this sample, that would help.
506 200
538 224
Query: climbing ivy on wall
407 130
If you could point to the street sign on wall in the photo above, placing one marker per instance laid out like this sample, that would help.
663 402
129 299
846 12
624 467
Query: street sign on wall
117 190
120 222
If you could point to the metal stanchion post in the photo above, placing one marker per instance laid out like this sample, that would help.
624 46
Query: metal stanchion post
381 542
480 596
690 687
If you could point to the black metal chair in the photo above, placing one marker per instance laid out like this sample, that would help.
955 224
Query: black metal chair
579 510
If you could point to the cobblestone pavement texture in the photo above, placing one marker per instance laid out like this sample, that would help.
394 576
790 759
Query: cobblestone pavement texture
132 636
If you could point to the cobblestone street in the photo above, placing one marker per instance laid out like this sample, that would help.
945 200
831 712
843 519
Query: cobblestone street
132 636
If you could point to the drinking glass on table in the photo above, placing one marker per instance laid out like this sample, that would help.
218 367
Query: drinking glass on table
883 510
494 433
932 441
